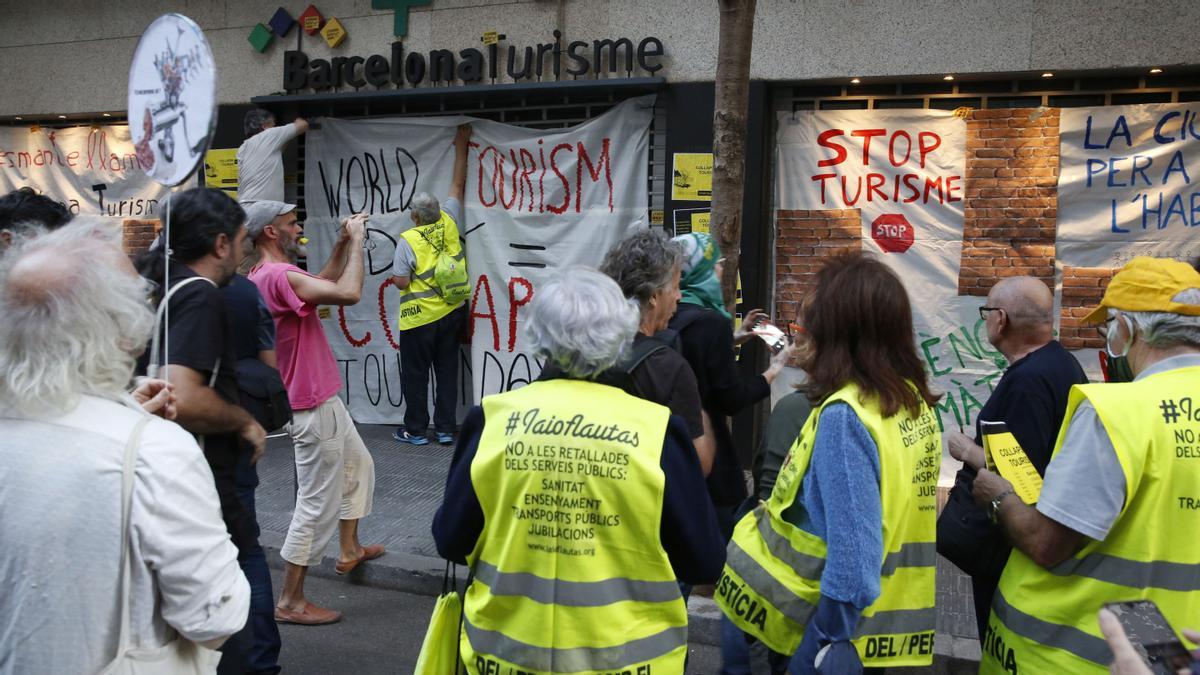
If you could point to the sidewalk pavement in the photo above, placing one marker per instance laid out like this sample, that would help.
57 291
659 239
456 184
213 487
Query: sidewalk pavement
409 481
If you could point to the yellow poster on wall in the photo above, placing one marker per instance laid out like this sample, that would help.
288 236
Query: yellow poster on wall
700 222
691 177
220 170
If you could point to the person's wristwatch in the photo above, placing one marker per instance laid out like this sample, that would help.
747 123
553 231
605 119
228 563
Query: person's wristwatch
994 508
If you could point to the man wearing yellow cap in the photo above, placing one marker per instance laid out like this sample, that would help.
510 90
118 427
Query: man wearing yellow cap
1118 513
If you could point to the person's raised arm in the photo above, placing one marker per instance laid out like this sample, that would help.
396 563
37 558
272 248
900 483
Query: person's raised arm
340 255
301 125
462 140
347 290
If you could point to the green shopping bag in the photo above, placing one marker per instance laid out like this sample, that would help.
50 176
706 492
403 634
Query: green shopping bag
439 651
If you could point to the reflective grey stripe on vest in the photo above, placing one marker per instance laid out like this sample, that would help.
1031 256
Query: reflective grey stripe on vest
897 622
417 295
788 603
576 659
910 555
1111 569
807 566
1066 638
574 593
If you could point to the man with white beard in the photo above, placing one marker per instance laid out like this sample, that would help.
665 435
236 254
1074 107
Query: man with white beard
334 471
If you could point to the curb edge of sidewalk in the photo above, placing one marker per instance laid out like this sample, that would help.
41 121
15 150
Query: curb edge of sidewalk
422 575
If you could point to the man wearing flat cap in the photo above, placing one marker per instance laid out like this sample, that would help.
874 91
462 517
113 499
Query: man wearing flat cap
1118 513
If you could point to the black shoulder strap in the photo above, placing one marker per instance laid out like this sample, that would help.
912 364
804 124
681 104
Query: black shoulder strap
641 351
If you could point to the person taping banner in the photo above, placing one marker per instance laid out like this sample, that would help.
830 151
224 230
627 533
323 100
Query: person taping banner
430 269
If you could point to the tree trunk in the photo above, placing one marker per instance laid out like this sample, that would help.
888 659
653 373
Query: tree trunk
729 135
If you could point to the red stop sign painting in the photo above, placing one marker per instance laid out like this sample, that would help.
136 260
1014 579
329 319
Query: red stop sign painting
892 232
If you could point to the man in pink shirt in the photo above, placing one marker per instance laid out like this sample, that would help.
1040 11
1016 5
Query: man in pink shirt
334 471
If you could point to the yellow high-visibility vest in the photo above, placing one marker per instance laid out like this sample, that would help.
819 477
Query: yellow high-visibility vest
1045 620
772 577
570 572
421 303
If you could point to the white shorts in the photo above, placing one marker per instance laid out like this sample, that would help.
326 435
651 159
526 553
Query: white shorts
335 476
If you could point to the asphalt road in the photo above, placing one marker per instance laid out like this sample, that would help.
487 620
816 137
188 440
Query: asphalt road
381 632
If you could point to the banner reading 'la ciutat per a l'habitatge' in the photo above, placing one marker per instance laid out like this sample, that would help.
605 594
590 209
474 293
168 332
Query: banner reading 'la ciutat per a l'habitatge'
1128 184
537 201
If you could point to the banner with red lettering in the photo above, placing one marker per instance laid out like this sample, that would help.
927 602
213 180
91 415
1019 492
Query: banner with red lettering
904 171
91 170
536 201
1127 183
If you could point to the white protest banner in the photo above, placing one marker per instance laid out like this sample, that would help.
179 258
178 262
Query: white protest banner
904 171
93 171
1128 183
536 201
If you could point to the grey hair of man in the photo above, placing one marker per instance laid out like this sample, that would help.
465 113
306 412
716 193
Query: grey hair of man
75 318
642 263
581 322
425 208
1165 330
255 121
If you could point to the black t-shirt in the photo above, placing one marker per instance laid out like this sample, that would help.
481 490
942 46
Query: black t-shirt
1031 399
199 331
202 339
242 301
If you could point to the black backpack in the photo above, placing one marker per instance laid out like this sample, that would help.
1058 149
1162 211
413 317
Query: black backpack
262 393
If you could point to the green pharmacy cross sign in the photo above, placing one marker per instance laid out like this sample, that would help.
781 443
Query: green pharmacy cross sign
401 7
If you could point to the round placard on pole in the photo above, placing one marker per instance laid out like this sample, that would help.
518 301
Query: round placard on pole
172 98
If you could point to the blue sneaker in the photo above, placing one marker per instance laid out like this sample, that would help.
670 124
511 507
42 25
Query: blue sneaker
445 438
401 435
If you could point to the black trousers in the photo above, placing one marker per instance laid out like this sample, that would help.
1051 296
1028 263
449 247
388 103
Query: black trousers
434 345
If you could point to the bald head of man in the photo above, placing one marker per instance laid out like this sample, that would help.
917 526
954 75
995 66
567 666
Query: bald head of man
1020 316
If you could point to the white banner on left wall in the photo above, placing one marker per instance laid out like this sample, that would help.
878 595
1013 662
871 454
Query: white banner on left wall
91 170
